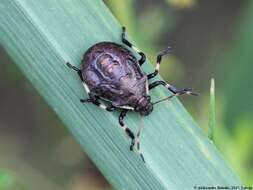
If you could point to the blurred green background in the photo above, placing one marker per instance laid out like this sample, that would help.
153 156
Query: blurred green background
209 39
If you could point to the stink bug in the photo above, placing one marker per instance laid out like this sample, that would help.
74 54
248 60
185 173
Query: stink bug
111 72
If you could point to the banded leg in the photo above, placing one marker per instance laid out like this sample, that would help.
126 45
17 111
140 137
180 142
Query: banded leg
158 62
129 44
129 133
79 72
138 139
95 101
171 88
92 99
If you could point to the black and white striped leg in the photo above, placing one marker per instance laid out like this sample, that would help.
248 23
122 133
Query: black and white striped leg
158 62
173 89
79 72
129 133
95 101
92 99
138 140
129 44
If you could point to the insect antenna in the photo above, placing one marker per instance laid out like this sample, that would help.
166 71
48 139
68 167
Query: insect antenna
183 92
164 99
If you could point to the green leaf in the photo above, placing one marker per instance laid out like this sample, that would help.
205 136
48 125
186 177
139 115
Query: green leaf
212 111
41 36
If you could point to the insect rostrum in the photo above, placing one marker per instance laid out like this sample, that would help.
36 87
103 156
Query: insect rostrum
111 72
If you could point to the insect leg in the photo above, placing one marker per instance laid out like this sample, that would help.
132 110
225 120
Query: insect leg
158 62
79 72
129 44
127 130
75 69
138 140
95 101
171 88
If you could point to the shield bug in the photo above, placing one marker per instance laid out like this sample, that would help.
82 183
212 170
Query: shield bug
111 72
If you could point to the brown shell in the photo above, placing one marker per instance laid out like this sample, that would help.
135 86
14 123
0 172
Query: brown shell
112 72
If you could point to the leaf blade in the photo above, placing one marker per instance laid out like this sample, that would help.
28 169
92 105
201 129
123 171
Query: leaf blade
174 147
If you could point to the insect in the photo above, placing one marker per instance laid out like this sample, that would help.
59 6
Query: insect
111 72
